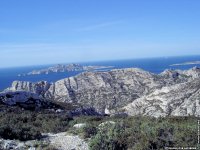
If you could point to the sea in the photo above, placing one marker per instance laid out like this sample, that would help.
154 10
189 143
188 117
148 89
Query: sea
154 65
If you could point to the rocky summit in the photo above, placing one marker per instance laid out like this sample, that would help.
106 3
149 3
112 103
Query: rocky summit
131 90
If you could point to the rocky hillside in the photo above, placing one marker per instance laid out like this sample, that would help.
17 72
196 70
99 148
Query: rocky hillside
25 100
20 98
109 92
177 100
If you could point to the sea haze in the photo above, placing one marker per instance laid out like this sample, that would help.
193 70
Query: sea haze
154 65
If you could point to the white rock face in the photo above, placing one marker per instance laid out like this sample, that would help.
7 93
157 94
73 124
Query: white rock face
79 125
177 100
107 123
194 72
37 88
161 94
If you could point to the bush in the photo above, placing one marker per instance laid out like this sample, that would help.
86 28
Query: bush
88 131
28 125
110 137
23 133
145 133
139 133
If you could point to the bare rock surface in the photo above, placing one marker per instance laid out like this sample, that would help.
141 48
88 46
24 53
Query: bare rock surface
79 125
177 100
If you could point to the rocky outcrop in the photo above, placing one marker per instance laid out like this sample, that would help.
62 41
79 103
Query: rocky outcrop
79 125
38 88
12 98
26 100
110 91
192 73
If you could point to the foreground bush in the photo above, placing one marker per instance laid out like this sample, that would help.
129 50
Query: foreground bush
110 137
23 133
138 133
28 125
146 133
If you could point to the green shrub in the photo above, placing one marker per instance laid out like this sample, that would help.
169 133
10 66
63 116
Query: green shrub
28 125
146 133
23 133
109 137
88 131
138 133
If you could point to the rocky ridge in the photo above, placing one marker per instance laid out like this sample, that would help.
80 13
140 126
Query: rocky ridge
125 90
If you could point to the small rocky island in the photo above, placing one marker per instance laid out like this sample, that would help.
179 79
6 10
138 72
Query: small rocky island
187 63
65 68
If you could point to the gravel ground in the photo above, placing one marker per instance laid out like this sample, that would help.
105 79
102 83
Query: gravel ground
62 141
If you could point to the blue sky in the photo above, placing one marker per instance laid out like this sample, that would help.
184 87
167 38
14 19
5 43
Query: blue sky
36 32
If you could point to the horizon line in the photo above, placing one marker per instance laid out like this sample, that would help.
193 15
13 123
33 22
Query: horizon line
52 64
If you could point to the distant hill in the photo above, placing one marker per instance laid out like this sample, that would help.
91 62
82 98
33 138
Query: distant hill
65 68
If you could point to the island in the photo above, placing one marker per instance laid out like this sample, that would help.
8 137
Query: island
65 68
187 63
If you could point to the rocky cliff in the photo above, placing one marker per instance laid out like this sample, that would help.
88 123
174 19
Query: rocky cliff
177 100
162 94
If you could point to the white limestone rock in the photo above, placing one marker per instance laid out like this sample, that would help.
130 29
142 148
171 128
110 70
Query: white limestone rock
177 100
79 125
107 123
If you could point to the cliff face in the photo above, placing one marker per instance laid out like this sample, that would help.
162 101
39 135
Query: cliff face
122 88
103 89
177 100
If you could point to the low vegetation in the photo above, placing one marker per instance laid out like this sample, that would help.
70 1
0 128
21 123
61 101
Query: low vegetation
141 133
138 133
16 123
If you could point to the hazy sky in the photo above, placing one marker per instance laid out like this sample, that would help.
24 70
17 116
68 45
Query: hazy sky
56 31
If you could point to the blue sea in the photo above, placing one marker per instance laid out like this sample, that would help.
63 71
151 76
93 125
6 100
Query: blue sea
154 65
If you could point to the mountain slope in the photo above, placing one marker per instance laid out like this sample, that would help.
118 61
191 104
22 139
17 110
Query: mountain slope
110 91
177 100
